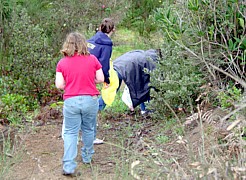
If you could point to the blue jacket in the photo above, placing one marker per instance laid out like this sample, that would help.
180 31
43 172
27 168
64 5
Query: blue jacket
100 45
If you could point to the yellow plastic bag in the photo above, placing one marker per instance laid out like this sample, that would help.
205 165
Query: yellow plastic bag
109 93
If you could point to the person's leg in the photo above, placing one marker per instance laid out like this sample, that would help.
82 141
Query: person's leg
63 126
89 115
72 122
102 105
142 107
120 80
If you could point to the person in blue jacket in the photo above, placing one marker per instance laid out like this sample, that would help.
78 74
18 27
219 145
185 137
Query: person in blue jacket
101 46
130 68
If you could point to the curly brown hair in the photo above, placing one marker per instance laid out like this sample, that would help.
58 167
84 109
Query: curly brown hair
74 43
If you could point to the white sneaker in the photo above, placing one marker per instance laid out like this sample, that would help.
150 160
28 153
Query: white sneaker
143 112
98 141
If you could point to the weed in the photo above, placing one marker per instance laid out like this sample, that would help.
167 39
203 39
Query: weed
229 97
107 126
179 130
162 139
16 107
8 155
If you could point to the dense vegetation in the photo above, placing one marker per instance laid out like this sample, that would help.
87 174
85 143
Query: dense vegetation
203 45
201 37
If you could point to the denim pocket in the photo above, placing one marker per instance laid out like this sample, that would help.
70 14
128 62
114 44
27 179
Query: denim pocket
70 102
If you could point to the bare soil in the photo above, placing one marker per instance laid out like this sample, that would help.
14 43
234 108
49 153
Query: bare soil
41 151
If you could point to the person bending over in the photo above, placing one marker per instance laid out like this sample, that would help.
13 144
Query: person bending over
130 68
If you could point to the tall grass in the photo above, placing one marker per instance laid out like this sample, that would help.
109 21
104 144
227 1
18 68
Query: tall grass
9 144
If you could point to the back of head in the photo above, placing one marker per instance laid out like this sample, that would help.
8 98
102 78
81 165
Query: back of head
74 43
107 25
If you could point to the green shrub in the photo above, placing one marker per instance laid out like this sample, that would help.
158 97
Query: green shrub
177 81
162 139
229 97
211 32
137 16
29 62
14 107
198 36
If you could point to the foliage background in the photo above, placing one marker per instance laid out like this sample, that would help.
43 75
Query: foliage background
202 41
203 65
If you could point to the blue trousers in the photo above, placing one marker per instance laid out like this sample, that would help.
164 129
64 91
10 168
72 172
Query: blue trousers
80 113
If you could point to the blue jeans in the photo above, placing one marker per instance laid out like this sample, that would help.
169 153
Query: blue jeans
79 113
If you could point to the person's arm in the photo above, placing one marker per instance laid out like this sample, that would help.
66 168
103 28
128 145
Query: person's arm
60 82
104 60
99 76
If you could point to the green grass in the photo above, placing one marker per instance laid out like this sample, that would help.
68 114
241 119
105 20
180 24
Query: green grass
162 139
118 106
126 40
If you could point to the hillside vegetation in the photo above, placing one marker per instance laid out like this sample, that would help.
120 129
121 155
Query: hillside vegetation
200 79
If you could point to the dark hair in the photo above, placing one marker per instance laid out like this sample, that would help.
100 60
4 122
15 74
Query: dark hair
107 25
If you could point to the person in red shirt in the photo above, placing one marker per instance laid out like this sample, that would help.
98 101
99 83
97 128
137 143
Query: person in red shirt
77 73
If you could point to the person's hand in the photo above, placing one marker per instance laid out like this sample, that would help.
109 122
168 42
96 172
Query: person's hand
106 80
106 85
131 108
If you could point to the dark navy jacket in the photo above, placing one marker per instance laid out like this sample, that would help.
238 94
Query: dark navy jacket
131 67
101 46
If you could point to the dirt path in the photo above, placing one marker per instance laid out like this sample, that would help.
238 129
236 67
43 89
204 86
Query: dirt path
42 157
39 157
127 138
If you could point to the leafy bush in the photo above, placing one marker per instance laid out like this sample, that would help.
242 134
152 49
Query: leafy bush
33 34
137 16
228 98
212 32
14 107
29 62
176 79
207 38
57 18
